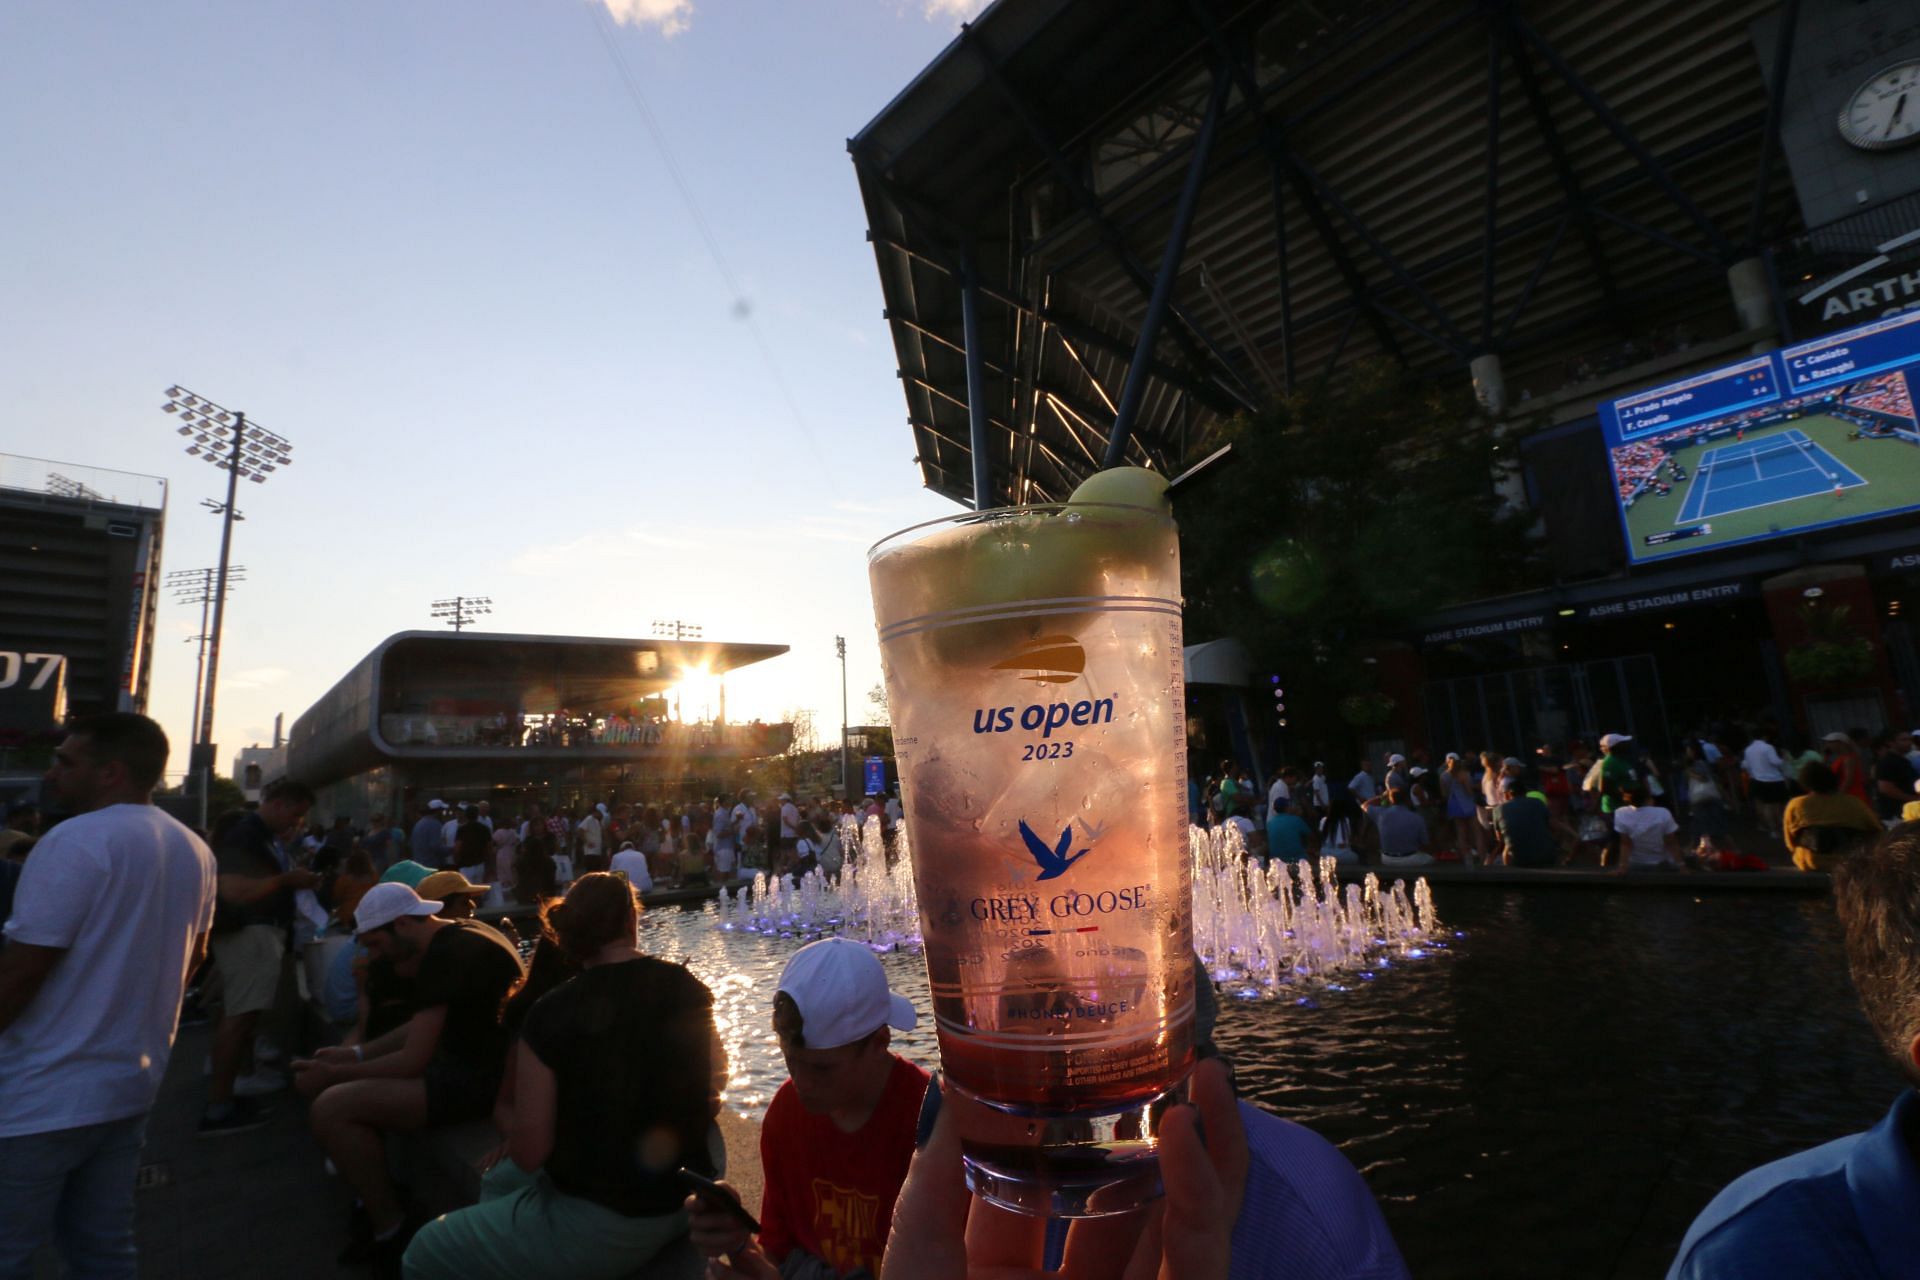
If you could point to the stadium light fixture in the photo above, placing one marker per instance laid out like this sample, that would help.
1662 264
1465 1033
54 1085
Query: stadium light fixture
220 436
460 612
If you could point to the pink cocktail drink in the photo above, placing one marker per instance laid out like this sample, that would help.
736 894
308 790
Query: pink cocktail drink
1033 664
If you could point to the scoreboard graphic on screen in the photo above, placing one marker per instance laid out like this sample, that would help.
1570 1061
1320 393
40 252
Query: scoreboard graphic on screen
1814 435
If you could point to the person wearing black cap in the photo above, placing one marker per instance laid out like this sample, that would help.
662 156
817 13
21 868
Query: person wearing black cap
441 1067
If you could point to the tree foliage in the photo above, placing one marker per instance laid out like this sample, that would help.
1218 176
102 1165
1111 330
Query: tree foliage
1348 512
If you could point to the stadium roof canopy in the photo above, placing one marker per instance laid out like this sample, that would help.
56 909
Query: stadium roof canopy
1425 182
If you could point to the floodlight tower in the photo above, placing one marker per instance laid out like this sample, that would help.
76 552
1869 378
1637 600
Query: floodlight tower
461 612
226 439
68 487
195 586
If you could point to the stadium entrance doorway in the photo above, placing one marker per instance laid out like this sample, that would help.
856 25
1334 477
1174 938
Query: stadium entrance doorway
1514 712
1657 674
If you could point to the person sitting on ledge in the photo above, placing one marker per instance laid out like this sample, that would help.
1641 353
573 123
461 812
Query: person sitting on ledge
1851 1207
1649 837
440 1067
1403 833
1823 825
616 1081
838 1135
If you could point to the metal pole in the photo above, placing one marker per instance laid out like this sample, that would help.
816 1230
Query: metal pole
200 662
976 389
846 783
219 617
1135 389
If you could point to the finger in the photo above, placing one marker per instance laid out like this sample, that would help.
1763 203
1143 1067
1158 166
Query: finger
1197 1227
1145 1263
1098 1248
999 1237
1226 1134
928 1239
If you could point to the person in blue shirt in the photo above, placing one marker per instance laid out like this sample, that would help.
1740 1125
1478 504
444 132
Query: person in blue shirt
1287 833
1851 1207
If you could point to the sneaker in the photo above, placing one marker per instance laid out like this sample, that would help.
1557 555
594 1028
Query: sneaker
244 1116
260 1083
266 1051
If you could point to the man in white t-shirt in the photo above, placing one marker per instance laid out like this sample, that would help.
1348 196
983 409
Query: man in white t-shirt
1279 795
632 863
743 818
1647 834
586 833
1766 781
724 842
111 915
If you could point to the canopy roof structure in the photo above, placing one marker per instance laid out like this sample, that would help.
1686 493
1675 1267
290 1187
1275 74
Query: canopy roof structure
1271 189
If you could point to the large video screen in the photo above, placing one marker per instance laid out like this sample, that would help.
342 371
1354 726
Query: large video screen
1806 437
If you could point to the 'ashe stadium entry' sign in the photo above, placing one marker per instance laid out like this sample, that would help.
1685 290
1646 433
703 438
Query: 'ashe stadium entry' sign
1813 435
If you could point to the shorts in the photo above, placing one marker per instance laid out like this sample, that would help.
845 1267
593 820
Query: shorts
457 1091
249 962
1767 792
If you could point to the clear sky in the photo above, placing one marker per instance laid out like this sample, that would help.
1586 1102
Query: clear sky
434 244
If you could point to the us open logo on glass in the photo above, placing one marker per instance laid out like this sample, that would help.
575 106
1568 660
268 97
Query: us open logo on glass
1046 660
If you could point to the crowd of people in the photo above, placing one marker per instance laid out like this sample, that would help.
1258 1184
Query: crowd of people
1621 807
601 1069
1635 466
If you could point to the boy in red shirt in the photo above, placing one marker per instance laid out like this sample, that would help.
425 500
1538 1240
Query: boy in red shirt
839 1134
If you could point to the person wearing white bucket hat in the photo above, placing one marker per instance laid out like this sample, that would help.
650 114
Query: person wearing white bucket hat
839 1134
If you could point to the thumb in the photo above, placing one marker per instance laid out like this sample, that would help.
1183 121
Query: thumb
929 1236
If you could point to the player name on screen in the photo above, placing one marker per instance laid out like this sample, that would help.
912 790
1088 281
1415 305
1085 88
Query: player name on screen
1673 535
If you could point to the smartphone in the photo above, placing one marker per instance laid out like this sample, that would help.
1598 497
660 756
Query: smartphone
698 1184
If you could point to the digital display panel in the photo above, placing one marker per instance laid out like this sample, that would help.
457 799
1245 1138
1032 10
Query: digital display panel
1818 434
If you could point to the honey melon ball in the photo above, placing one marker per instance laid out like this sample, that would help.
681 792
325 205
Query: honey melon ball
1127 487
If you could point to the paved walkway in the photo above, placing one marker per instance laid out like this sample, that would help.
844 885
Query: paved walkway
260 1203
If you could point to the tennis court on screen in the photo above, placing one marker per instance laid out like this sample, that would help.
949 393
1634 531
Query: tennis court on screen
1759 473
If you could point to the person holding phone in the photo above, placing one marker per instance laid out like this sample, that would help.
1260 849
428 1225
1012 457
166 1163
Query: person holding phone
617 1080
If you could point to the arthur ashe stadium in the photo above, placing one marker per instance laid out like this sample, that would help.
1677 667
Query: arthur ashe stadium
1102 231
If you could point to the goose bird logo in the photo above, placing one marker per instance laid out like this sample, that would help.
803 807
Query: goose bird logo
1053 861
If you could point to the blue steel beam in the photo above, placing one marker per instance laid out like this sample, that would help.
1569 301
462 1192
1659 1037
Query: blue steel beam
976 382
1190 331
1770 134
1135 388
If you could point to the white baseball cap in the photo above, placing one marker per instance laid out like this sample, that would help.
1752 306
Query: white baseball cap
385 903
842 993
1614 739
436 804
1396 758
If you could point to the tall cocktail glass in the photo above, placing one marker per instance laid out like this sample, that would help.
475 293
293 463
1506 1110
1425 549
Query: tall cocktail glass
1033 668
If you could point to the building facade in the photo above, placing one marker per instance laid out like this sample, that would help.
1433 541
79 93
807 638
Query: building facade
79 583
566 720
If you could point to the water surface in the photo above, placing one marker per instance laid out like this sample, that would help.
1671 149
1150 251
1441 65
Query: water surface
1556 1096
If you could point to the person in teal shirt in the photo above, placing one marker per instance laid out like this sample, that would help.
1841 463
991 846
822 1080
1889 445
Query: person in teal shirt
1287 834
